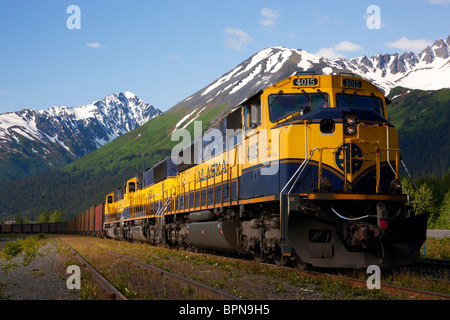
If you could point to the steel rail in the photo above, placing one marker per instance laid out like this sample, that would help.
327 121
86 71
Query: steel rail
392 289
109 289
438 263
203 290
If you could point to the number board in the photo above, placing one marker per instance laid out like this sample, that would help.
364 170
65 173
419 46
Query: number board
305 82
353 83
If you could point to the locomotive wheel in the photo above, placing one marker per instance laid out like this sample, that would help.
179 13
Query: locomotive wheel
298 262
258 255
280 260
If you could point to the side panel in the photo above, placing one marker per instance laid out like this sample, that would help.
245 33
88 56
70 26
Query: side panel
91 218
99 214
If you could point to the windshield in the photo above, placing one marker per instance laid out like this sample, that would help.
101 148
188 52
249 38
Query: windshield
283 105
366 102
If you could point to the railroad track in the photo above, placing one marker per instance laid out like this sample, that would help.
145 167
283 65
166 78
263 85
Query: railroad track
392 289
109 289
433 263
201 289
411 293
212 293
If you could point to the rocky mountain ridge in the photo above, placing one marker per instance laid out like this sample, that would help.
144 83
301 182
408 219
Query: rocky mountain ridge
32 140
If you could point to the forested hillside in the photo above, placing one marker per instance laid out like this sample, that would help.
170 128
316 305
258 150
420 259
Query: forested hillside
86 181
420 116
422 119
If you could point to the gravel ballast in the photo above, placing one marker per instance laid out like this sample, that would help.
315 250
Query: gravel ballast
43 278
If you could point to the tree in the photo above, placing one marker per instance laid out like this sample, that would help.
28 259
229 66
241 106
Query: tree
423 197
55 216
43 217
443 221
19 219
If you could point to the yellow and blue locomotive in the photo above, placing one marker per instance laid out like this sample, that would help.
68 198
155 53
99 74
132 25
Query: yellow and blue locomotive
305 171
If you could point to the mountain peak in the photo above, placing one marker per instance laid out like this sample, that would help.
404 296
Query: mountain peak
130 95
61 134
441 49
272 64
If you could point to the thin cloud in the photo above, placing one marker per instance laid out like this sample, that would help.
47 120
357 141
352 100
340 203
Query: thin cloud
347 46
409 44
94 45
236 39
5 92
329 53
336 51
173 57
268 17
321 18
440 2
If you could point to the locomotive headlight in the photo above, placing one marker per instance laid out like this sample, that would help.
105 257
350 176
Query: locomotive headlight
350 119
350 130
350 124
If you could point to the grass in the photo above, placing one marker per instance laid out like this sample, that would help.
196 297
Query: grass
436 248
245 279
251 280
28 246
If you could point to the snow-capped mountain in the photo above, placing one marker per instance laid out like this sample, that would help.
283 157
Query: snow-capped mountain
32 140
430 70
59 135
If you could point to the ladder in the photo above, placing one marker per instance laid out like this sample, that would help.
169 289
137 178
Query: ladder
160 218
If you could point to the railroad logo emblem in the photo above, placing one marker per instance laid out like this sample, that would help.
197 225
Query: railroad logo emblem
354 158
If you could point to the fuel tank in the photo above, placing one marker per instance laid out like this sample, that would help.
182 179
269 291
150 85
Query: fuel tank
215 235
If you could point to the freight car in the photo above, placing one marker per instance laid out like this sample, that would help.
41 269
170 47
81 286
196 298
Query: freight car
304 171
54 227
89 222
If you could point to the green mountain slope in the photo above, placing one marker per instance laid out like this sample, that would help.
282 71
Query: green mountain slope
140 148
420 116
422 121
86 181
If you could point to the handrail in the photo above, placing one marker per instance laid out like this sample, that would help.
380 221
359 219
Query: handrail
300 169
378 165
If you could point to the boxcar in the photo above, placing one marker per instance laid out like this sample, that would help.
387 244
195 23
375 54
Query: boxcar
17 228
60 227
44 227
27 228
92 220
99 214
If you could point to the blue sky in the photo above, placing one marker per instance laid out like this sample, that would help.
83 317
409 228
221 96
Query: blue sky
163 51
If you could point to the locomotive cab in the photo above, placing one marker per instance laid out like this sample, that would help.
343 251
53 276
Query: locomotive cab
341 201
306 170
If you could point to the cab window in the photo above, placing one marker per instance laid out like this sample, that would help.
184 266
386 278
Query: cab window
283 105
252 115
367 102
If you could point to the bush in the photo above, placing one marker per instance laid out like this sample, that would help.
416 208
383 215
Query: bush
13 248
29 246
